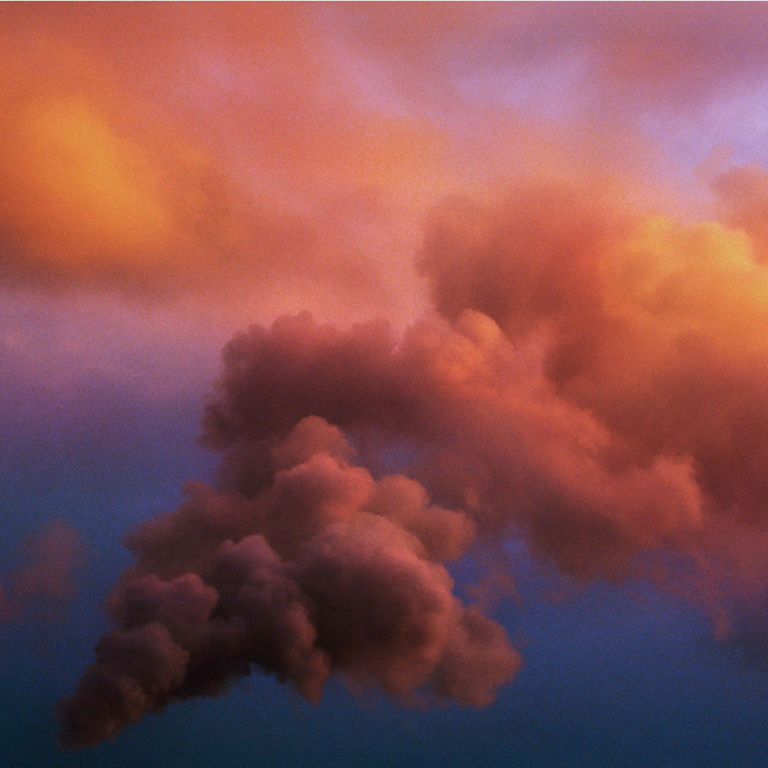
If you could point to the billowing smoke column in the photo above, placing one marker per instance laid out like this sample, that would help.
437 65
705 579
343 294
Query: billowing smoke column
304 567
303 564
593 381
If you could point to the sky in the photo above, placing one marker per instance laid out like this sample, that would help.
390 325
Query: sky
383 384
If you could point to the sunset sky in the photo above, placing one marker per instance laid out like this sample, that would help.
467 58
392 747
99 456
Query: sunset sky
384 384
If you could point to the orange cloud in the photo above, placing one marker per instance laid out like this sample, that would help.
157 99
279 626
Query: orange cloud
742 201
246 174
653 325
76 193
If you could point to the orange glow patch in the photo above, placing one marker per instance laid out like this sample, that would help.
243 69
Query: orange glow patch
92 190
700 277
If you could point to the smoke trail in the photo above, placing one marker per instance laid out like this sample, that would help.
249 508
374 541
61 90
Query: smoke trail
321 570
587 385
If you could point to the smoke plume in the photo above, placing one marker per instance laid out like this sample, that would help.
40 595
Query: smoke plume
312 568
592 381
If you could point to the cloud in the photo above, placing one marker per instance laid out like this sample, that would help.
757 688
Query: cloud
478 421
248 152
651 324
244 174
588 373
668 57
44 574
742 201
320 570
567 391
594 382
91 200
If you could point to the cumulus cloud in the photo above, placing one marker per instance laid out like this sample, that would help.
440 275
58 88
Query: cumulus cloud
594 382
652 325
318 570
591 381
477 418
